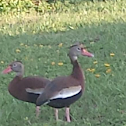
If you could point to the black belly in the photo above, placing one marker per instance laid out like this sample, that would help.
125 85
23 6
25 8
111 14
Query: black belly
32 97
56 103
64 102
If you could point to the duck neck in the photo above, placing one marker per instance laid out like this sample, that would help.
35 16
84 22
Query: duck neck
20 74
14 88
16 79
77 71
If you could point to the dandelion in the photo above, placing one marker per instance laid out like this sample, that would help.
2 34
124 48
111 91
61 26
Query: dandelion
107 65
97 75
2 62
60 64
108 70
91 70
21 44
60 45
18 50
53 63
88 69
95 62
40 45
112 54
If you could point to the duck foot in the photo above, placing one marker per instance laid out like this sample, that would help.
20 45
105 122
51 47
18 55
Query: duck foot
56 114
65 118
68 118
37 111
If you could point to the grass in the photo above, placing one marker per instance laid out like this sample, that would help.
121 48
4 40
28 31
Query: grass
36 40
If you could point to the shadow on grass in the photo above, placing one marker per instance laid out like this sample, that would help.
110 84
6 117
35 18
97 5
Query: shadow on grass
104 100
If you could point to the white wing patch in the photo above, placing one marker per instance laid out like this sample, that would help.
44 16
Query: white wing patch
67 92
35 91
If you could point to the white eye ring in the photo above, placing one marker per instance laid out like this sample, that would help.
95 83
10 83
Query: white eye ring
14 65
78 49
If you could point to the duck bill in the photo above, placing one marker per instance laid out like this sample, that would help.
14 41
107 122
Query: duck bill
86 53
7 70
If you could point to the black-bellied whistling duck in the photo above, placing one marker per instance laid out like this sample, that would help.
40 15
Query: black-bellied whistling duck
65 90
18 86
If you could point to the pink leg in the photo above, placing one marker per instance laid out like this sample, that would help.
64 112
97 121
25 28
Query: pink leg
68 114
37 111
56 114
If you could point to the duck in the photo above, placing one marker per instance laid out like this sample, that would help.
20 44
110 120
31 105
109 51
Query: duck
20 86
63 91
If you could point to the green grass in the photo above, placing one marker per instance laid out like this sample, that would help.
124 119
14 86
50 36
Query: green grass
101 27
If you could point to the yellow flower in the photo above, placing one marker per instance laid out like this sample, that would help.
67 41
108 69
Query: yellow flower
107 65
18 50
91 70
2 62
88 69
21 44
108 70
60 63
112 54
26 45
53 63
97 75
41 45
60 45
95 62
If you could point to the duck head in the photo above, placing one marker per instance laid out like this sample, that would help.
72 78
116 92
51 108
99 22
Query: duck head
15 66
78 49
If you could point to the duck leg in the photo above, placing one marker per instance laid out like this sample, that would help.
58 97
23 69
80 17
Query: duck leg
37 111
56 114
68 114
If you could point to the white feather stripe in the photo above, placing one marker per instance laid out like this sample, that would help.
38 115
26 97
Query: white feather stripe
67 92
35 91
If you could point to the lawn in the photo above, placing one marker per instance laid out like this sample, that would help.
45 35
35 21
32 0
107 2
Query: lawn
41 41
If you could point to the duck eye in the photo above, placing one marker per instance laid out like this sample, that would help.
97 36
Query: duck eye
78 49
14 65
